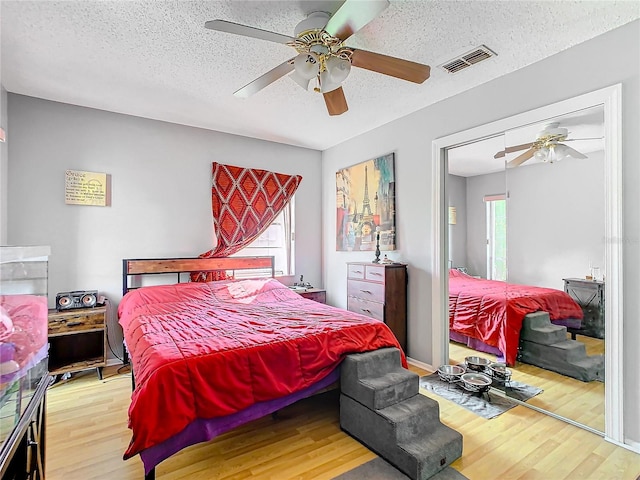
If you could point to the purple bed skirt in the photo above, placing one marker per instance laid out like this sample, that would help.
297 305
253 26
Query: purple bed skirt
203 430
477 345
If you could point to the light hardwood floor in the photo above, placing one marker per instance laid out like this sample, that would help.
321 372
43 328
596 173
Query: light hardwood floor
582 402
87 434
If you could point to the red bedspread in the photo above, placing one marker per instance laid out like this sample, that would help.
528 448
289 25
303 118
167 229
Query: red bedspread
203 350
493 311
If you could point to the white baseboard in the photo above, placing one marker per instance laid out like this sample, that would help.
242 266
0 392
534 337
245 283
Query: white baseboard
419 364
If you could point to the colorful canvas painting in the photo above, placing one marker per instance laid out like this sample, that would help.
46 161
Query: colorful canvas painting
366 205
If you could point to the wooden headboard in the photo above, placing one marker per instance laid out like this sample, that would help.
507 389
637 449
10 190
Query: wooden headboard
158 266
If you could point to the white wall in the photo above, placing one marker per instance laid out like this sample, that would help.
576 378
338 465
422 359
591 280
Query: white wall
606 60
161 197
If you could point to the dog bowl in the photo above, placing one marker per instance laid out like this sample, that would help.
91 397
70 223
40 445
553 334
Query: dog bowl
499 371
475 382
450 373
478 364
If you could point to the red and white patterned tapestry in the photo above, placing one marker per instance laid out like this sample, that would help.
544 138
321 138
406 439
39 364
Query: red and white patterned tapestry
244 202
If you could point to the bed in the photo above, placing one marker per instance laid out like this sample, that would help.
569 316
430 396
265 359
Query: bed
208 357
487 315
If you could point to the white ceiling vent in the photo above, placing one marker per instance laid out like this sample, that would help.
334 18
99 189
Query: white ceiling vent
468 59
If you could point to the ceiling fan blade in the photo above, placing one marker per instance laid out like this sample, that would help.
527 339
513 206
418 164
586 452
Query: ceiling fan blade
574 153
579 139
516 148
247 31
266 79
395 67
336 102
520 159
352 16
500 154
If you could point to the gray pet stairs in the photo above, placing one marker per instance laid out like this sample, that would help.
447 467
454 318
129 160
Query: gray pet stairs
381 407
546 345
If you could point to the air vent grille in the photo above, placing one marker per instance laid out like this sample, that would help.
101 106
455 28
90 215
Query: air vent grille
468 59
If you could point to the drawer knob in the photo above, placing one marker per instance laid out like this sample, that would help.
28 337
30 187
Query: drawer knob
357 271
366 311
376 274
366 291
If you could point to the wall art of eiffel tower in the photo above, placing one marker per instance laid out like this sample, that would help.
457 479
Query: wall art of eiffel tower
365 205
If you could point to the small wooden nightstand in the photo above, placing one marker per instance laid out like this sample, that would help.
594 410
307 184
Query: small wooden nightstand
77 340
316 294
589 294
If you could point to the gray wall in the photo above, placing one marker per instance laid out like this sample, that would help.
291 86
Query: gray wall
477 188
3 168
457 192
555 220
161 196
606 60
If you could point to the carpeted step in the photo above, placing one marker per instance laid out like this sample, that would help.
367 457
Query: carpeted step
413 418
564 351
376 379
591 367
431 454
537 328
409 434
568 358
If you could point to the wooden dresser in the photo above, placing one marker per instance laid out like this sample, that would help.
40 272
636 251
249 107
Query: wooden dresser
380 291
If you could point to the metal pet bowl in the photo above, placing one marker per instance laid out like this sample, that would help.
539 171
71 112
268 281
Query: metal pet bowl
499 371
479 364
476 382
450 373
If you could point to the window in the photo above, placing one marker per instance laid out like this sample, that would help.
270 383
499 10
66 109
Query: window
496 212
277 240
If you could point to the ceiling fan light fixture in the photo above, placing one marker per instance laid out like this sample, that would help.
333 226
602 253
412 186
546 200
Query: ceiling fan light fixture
542 154
305 83
307 65
338 68
326 83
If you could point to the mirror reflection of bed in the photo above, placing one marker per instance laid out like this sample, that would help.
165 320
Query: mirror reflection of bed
539 224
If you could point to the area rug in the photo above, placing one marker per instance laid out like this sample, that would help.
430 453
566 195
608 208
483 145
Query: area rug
379 469
487 405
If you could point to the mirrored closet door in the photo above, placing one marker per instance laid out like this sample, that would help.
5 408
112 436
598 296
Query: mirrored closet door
526 217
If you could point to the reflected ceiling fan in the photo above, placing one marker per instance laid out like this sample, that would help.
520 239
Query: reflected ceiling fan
322 56
547 147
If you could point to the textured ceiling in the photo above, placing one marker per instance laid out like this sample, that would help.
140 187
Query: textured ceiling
155 59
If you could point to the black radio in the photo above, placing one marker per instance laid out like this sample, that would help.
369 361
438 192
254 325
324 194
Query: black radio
76 299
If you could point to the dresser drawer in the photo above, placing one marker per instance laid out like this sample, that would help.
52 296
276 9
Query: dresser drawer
374 273
65 322
366 290
366 307
355 271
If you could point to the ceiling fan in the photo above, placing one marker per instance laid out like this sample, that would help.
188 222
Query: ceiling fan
322 56
547 147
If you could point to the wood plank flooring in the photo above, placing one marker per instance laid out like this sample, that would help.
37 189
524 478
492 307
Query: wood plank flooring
87 435
580 401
